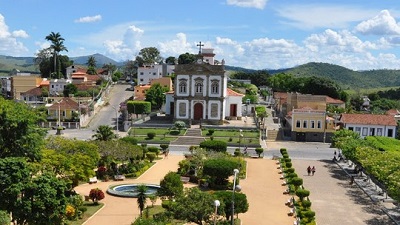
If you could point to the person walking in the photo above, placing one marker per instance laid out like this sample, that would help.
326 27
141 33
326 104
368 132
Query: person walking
309 170
313 170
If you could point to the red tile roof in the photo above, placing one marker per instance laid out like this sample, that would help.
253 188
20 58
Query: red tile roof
368 119
37 91
330 100
65 104
230 92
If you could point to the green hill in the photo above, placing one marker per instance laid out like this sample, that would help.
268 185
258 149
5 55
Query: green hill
348 79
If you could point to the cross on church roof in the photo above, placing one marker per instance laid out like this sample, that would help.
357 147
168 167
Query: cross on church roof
200 45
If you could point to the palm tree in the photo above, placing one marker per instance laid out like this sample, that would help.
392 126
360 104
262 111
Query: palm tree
57 44
91 65
104 133
141 197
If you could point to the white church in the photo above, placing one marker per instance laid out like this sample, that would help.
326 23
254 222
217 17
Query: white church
201 93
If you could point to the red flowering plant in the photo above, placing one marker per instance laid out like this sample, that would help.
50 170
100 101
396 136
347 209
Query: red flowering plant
96 195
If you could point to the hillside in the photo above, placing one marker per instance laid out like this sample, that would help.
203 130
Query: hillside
348 79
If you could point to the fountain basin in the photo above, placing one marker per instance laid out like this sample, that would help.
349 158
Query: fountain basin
130 190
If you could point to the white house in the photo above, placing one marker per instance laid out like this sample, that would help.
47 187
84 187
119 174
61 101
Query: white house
370 124
150 72
57 86
201 94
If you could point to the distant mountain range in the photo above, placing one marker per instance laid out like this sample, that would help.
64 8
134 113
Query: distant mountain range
348 79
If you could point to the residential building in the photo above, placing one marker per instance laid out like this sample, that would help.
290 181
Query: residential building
370 124
6 87
140 91
147 73
34 97
21 84
63 109
57 86
164 82
201 93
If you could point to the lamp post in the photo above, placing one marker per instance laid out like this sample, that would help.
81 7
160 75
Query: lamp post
116 118
324 127
216 204
235 187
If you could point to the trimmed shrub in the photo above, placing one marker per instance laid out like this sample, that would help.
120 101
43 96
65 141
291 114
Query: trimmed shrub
259 151
283 151
306 204
210 132
164 146
288 165
174 132
153 149
151 135
288 170
302 193
288 160
214 145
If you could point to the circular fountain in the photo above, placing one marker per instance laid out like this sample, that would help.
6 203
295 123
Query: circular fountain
130 190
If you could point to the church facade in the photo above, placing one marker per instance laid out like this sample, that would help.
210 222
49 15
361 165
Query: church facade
201 93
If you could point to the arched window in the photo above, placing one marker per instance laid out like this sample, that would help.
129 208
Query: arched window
199 87
214 87
182 86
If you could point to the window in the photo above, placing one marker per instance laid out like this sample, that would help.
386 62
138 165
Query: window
351 128
141 79
364 131
214 87
358 130
390 133
371 131
141 73
199 87
305 123
379 131
319 125
182 86
312 124
298 124
154 73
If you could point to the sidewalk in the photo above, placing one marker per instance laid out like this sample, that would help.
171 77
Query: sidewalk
377 195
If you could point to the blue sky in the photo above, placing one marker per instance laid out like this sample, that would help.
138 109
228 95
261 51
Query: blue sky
255 34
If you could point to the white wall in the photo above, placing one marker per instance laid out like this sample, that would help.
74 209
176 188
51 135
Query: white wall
385 129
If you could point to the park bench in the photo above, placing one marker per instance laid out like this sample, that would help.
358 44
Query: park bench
119 177
185 180
291 212
92 180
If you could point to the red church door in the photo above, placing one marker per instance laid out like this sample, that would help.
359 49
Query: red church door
198 111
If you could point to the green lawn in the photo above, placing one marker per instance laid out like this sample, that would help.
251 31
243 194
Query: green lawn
232 133
158 131
91 209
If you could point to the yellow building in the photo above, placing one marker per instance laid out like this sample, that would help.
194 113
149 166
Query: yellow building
164 82
21 84
63 109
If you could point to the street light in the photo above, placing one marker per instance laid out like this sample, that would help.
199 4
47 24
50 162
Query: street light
116 118
216 204
240 139
235 187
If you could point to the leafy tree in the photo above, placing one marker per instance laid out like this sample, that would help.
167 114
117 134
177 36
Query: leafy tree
171 186
179 124
219 169
141 197
130 67
104 133
282 82
321 86
225 197
194 206
109 67
91 63
156 95
4 218
43 61
57 45
259 151
186 58
170 60
20 135
70 89
148 55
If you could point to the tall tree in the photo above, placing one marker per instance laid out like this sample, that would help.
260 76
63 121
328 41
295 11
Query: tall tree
156 95
171 185
57 44
171 60
141 197
148 55
104 133
91 63
186 58
20 136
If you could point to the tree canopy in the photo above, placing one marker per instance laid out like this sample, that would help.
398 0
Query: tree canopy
156 95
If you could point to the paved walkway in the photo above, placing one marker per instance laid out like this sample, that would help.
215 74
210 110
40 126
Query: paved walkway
334 200
265 194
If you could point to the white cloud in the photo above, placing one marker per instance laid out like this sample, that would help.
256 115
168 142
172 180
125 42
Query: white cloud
88 19
176 46
321 16
342 41
20 34
258 4
382 24
8 42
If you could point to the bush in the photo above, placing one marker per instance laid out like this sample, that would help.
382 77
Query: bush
302 193
174 132
237 152
210 132
288 160
96 195
164 146
306 203
259 151
151 135
288 165
151 156
283 151
214 145
153 149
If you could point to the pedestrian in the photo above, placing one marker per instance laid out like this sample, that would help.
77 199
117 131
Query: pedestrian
313 170
309 170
